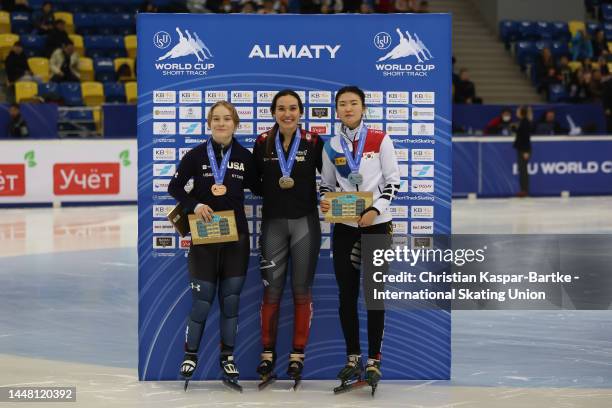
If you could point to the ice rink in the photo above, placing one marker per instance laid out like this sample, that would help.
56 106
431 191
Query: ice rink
68 317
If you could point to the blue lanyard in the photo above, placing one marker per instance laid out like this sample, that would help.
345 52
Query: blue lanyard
354 162
287 166
218 171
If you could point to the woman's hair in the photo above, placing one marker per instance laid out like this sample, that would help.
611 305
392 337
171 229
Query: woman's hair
351 89
272 132
229 106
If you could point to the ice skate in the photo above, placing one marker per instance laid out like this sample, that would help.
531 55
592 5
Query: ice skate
266 369
373 373
230 373
351 375
294 370
188 367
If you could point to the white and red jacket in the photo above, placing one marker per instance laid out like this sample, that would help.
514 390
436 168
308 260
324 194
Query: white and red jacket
378 168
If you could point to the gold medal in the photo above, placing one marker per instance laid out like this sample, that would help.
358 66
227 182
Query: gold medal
286 183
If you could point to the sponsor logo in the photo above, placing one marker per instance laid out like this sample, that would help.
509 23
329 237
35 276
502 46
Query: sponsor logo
422 211
422 170
86 178
215 96
320 128
264 126
567 167
164 112
248 211
258 211
422 186
423 98
401 154
375 125
374 97
374 113
163 227
421 227
403 168
164 153
190 97
421 242
160 185
242 96
263 112
294 51
245 128
245 112
319 97
403 187
397 114
320 112
164 242
190 128
12 180
162 211
164 128
188 45
422 154
162 40
398 211
265 97
164 96
422 129
423 114
161 170
190 112
400 227
325 228
407 48
189 185
397 129
325 243
397 98
340 161
183 151
185 242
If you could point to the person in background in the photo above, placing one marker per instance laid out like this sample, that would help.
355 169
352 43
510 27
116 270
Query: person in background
501 124
45 19
522 144
267 8
56 37
423 7
548 125
465 90
64 64
248 7
581 46
599 43
17 127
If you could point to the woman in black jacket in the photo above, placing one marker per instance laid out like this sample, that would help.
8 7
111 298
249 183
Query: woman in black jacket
522 144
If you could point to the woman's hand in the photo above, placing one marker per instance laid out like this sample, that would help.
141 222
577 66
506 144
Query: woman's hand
525 155
205 212
367 219
325 206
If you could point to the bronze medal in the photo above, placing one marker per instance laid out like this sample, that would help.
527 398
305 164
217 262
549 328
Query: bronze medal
218 189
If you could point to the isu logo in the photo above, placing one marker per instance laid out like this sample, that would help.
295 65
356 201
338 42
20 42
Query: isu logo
187 45
12 180
407 47
86 178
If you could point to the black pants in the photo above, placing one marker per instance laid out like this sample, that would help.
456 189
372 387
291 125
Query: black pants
222 265
347 267
522 169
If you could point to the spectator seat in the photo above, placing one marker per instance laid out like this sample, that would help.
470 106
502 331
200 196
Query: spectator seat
25 90
92 93
86 68
21 23
114 92
5 22
131 92
68 19
79 46
6 42
130 45
39 67
71 92
33 45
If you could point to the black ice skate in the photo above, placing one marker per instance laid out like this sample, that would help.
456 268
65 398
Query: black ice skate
230 373
351 375
294 370
373 373
266 369
188 367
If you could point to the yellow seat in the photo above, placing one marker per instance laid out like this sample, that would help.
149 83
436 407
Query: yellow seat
67 18
79 45
575 26
92 93
25 90
595 66
5 22
610 66
130 45
129 61
131 92
574 65
86 68
97 117
6 42
39 67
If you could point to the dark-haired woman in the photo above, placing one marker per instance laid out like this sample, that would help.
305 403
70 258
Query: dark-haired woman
359 159
287 158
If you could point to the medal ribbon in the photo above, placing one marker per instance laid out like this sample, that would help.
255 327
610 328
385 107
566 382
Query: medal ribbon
354 161
287 166
218 171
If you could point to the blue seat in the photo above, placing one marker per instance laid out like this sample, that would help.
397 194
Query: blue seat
544 30
86 23
508 31
104 46
78 115
36 4
557 93
593 27
561 31
104 69
21 23
540 45
606 11
33 44
114 92
526 53
560 48
71 92
49 90
527 31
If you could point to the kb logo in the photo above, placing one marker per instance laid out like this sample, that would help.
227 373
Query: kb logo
382 40
162 40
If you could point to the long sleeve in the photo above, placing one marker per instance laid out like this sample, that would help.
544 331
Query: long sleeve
391 175
328 172
253 176
186 170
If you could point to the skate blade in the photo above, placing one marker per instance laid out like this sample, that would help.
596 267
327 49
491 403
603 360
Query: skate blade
297 384
186 385
267 381
374 389
350 386
232 385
